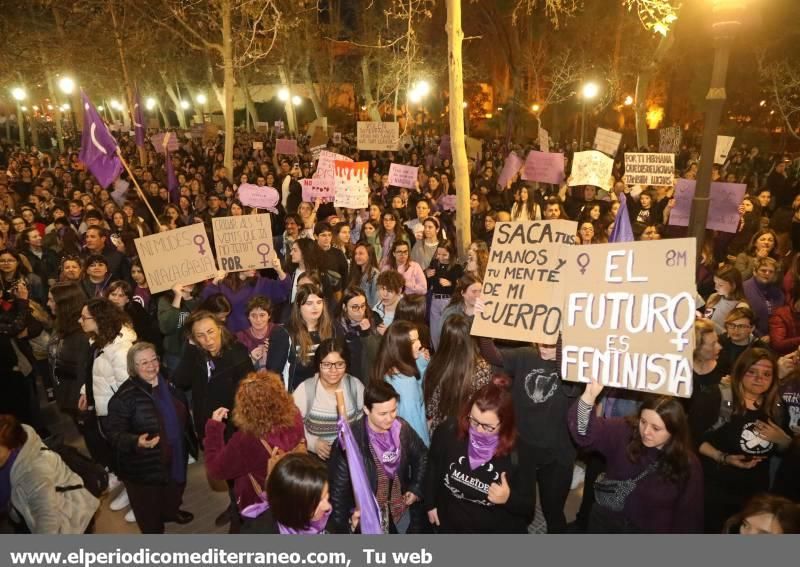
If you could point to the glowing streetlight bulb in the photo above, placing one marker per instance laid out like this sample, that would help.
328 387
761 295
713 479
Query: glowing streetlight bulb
535 107
101 108
35 108
184 104
296 100
423 88
201 99
115 104
628 100
283 95
23 108
18 93
414 96
150 103
66 85
49 107
66 106
463 105
590 90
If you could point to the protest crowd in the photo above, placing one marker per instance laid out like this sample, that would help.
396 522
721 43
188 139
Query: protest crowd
336 387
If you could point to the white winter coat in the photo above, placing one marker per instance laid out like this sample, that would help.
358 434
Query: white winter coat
110 369
36 474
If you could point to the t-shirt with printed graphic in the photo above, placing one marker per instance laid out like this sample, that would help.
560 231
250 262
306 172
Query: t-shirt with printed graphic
790 397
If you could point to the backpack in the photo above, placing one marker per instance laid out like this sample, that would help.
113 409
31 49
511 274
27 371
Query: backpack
93 475
275 456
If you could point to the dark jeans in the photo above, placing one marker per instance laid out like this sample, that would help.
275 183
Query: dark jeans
553 477
154 504
604 521
90 426
595 466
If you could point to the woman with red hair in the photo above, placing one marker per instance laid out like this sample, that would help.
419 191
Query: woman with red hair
476 482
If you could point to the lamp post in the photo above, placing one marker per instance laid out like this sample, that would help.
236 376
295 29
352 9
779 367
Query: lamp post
588 92
19 95
726 22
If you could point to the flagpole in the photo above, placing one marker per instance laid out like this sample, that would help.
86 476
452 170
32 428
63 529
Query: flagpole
138 189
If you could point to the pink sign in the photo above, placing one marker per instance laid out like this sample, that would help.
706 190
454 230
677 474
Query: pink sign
158 141
315 188
544 167
448 202
286 147
510 168
403 175
259 197
723 213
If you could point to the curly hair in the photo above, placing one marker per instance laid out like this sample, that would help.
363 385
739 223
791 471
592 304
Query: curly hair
109 320
263 404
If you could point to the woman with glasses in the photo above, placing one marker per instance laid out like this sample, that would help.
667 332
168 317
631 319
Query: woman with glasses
357 325
475 481
150 431
415 282
739 335
13 270
316 397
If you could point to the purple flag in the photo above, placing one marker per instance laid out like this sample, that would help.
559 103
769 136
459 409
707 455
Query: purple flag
138 119
172 180
98 146
365 499
622 224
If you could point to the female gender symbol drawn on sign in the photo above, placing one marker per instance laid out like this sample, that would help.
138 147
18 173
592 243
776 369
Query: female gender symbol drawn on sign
583 262
264 249
200 242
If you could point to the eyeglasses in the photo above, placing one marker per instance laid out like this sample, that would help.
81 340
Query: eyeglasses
738 326
152 362
341 365
7 260
84 318
360 307
486 427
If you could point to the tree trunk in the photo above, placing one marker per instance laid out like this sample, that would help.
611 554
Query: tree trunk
455 36
372 107
286 81
125 77
252 111
319 109
217 91
642 85
164 115
229 84
76 102
175 98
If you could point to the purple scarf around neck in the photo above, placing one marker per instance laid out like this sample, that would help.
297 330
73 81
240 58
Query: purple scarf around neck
314 527
481 447
386 445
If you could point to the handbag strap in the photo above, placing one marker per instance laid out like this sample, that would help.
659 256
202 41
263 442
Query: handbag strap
650 468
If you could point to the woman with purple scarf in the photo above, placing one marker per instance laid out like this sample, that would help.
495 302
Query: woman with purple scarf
394 459
476 480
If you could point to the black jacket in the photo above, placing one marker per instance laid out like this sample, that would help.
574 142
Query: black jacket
218 389
69 360
133 411
411 471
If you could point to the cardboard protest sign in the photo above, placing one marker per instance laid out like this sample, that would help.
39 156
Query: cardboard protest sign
153 123
278 126
325 165
381 136
510 168
669 140
592 168
180 256
724 145
258 145
158 141
403 175
286 147
474 148
316 150
262 127
544 167
607 141
650 169
318 138
544 140
351 184
316 188
259 197
406 142
524 283
218 119
210 131
723 212
629 315
447 202
337 137
244 242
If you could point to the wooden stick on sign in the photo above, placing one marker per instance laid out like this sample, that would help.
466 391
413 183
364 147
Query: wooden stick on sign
138 189
340 407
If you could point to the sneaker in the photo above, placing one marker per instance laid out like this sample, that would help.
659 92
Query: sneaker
130 517
192 460
120 502
578 476
113 481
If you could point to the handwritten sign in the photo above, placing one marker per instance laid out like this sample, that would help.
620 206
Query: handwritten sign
403 175
723 212
592 168
244 242
544 140
650 169
380 136
262 127
448 202
158 141
180 256
629 315
286 147
351 184
524 283
258 145
259 197
669 140
607 141
544 167
316 151
278 126
724 145
511 167
337 138
316 188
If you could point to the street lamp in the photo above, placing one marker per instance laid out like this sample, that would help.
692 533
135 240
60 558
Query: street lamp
150 103
66 85
589 91
19 95
726 21
535 107
184 104
423 88
628 100
296 100
283 94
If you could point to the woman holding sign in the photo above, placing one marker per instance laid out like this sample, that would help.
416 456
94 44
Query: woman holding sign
653 481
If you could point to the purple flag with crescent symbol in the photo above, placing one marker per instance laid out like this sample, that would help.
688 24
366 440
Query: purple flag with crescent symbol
138 119
98 146
362 490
